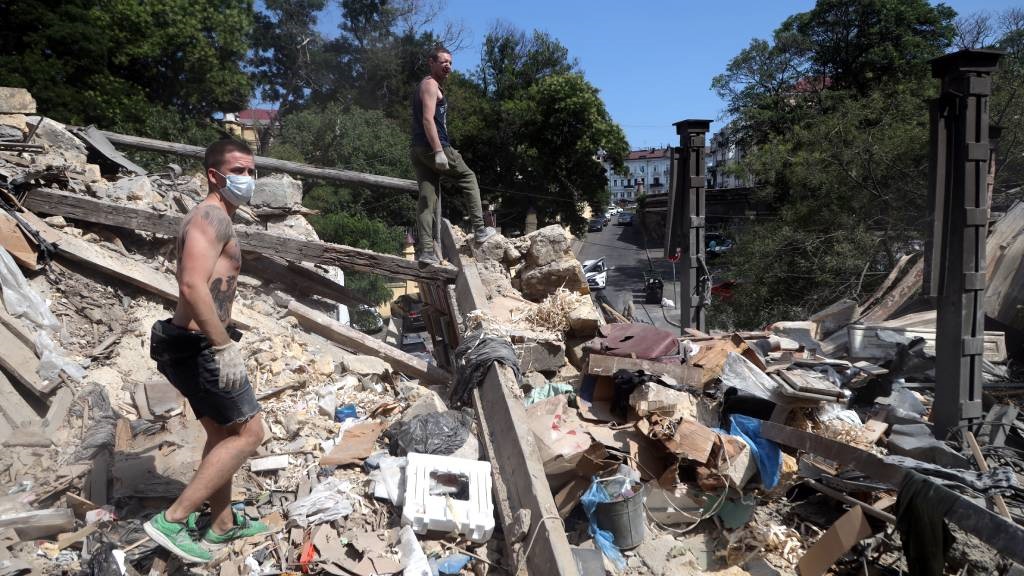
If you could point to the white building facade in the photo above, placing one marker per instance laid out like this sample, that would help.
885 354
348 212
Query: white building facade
721 155
648 171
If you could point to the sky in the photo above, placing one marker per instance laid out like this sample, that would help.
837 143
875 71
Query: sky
652 61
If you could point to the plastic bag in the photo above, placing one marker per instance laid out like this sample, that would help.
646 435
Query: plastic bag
766 453
52 360
414 560
20 299
550 390
440 433
327 502
595 495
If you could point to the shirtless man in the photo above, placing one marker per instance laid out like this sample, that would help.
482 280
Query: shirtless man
198 354
433 157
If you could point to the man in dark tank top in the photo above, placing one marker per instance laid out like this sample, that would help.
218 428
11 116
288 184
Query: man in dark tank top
433 157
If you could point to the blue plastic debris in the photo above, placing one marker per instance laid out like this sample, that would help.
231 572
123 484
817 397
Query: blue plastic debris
605 541
766 453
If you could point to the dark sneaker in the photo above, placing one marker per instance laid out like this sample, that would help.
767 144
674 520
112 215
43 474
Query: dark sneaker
428 259
482 234
177 538
243 528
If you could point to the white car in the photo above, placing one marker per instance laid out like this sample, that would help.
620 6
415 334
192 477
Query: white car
596 273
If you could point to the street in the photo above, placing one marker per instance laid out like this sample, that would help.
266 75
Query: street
622 247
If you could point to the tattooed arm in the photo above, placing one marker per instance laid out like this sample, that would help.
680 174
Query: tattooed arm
202 239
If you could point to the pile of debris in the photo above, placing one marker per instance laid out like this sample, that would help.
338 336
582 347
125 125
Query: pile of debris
797 449
804 448
364 469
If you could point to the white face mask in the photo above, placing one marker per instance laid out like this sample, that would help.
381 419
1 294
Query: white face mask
238 189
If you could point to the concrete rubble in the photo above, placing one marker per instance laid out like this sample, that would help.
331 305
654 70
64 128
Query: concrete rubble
703 454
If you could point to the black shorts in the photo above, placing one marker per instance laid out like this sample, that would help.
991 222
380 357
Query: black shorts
186 359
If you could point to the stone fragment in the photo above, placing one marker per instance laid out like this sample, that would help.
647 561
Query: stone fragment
584 320
14 121
366 365
324 365
277 191
537 283
281 299
134 188
428 403
56 221
541 356
16 101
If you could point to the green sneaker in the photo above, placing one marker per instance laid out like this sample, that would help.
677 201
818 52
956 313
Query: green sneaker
243 528
177 537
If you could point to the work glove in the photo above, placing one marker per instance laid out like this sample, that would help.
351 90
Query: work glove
231 368
440 161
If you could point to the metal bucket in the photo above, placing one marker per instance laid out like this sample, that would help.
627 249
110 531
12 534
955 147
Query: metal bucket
625 519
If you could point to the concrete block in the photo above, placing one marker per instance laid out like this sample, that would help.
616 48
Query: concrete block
16 101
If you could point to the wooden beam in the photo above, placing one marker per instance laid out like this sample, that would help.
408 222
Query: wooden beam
130 271
21 362
515 457
319 323
269 164
69 205
13 407
300 278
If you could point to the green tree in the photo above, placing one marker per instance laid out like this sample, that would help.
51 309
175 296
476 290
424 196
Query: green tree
834 116
285 43
151 67
531 127
365 141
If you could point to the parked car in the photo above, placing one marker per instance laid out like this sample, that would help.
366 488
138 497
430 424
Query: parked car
416 345
596 273
625 219
595 225
716 244
409 312
365 319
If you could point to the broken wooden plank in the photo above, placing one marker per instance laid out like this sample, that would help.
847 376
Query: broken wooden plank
269 463
320 323
301 278
684 375
69 205
907 287
21 362
17 327
1004 255
894 274
17 411
849 529
269 164
59 407
116 265
520 483
39 523
979 459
